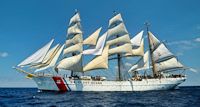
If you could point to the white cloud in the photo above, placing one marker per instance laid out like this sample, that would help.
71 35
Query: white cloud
197 40
184 45
3 54
193 70
128 64
198 27
179 53
182 42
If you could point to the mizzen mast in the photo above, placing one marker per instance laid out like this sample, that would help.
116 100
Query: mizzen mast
155 74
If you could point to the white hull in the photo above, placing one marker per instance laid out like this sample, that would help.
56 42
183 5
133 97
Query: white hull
66 84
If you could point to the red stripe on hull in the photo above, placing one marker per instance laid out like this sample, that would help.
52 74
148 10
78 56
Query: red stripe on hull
60 83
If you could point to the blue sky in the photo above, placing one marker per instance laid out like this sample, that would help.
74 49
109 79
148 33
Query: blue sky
26 25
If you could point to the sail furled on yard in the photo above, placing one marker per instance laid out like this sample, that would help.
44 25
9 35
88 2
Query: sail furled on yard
74 46
118 38
92 39
99 46
98 62
38 56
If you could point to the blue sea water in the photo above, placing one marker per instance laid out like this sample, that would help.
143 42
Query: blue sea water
28 97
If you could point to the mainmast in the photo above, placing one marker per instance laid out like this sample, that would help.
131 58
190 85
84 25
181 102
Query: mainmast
118 63
155 74
118 57
118 41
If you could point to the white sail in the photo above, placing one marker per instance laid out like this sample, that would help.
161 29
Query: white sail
161 53
50 53
74 48
38 56
99 62
123 39
75 19
116 19
99 47
142 64
117 30
53 61
154 42
138 51
92 39
76 39
48 58
73 45
126 48
118 37
136 41
73 63
75 29
168 65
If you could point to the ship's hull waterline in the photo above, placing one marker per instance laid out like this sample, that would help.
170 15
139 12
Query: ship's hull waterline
67 84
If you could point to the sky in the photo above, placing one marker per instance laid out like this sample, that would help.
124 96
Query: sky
27 25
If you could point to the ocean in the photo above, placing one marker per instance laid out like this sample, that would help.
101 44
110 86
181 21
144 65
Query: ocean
30 97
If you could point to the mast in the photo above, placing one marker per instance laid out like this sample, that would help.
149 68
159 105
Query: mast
155 74
73 53
118 63
118 58
119 41
73 47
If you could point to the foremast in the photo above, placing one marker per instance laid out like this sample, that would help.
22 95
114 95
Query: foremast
70 24
74 52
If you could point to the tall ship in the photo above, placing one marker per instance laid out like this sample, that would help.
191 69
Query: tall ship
98 62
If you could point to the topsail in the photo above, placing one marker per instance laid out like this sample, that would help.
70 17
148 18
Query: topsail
118 37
